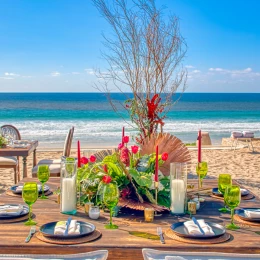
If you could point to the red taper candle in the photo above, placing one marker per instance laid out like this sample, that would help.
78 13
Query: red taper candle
123 134
79 158
156 179
199 146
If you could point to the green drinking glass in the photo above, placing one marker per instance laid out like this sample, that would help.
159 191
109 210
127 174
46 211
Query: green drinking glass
224 180
43 175
202 170
30 195
232 199
110 199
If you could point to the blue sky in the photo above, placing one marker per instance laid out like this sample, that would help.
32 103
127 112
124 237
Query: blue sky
53 45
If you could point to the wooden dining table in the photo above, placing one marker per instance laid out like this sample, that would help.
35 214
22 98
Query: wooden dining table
22 152
119 243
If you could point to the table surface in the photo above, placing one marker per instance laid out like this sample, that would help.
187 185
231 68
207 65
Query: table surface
120 244
24 152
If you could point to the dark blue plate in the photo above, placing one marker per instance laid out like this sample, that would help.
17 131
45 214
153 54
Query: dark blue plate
216 192
180 230
241 214
23 213
13 189
85 229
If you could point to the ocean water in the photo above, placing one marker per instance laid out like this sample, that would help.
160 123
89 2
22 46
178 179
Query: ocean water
48 116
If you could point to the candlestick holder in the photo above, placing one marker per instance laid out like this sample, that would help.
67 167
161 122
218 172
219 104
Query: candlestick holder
156 186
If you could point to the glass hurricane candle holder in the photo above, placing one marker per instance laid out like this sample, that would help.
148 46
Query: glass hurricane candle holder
94 212
178 180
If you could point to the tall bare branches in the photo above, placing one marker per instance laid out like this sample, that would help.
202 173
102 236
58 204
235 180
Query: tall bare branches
144 53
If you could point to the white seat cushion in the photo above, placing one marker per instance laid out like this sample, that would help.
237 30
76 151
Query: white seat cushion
8 160
54 168
50 161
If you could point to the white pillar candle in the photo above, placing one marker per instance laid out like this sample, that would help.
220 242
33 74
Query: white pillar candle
177 196
68 195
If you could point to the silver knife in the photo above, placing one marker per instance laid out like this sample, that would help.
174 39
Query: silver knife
32 231
197 223
67 226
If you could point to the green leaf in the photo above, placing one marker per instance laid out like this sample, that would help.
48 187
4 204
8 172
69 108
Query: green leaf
110 159
144 235
257 232
141 178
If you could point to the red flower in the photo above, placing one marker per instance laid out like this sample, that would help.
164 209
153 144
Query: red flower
84 160
134 149
125 139
125 192
120 146
92 158
164 156
106 179
124 156
105 168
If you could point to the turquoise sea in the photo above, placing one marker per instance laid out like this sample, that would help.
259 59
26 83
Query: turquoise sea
48 116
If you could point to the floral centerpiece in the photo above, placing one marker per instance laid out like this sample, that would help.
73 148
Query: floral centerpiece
3 141
133 173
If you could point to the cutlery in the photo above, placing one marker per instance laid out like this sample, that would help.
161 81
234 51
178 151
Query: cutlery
32 231
160 233
197 223
67 226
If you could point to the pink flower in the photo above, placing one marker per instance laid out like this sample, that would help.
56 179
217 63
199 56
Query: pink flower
106 179
120 146
125 139
105 168
134 149
92 158
84 160
164 156
124 156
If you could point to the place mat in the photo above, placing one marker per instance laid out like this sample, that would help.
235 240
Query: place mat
247 197
10 193
14 220
248 223
70 241
169 233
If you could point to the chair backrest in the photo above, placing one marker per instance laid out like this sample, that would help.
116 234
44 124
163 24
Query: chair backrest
11 131
67 143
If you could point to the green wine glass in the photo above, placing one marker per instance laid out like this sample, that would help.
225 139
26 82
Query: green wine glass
202 170
232 199
110 199
224 180
43 175
30 195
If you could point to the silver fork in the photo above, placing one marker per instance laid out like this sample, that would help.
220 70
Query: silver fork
160 233
32 231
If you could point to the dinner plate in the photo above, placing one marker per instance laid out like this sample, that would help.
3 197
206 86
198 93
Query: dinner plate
241 214
13 189
85 229
216 192
180 230
23 213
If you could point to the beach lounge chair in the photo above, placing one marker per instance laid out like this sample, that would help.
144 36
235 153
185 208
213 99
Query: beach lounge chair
11 161
245 136
54 164
150 254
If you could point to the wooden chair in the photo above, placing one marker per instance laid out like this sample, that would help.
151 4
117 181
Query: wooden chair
54 164
11 162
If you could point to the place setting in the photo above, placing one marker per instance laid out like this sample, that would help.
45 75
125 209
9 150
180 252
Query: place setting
248 216
43 174
11 213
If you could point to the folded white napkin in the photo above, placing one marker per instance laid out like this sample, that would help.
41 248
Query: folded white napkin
9 210
60 228
20 187
252 213
193 229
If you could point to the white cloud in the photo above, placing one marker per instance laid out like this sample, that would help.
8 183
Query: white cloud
75 73
55 74
196 71
216 69
90 71
11 74
6 78
26 76
189 67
